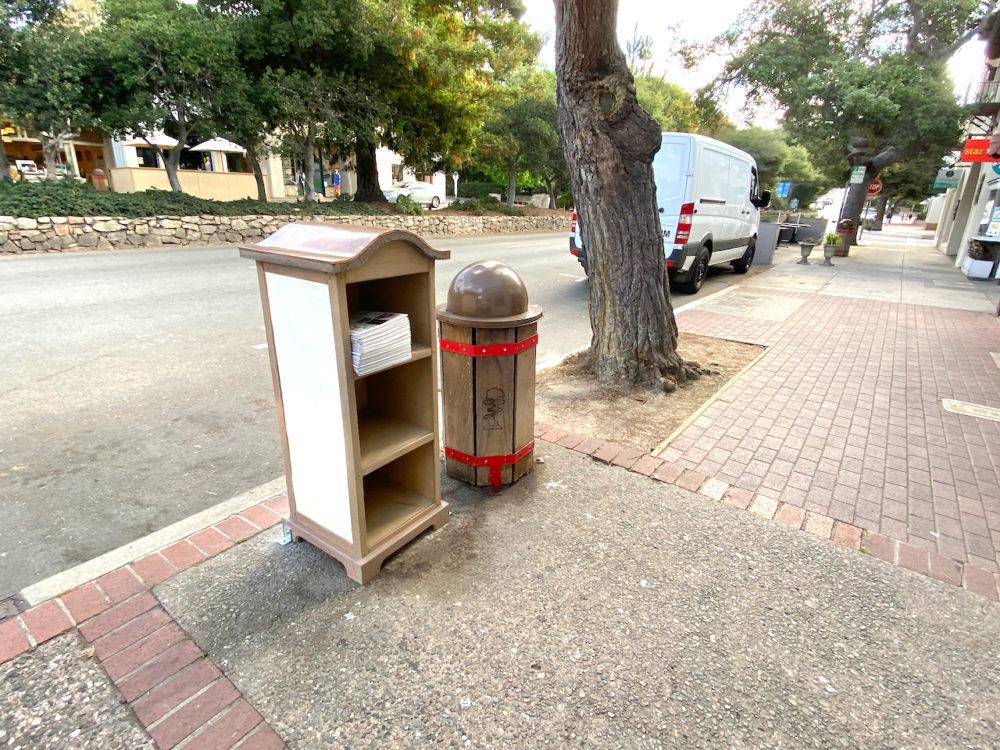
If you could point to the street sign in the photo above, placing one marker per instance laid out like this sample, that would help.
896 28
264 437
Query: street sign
857 175
875 188
948 178
783 189
975 150
794 203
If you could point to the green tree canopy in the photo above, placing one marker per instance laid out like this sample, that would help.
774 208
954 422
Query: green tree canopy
778 160
17 17
47 92
859 85
671 105
523 134
160 64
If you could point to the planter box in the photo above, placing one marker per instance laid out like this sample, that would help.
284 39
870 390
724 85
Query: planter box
767 240
977 269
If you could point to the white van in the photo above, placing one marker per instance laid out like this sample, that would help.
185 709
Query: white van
709 203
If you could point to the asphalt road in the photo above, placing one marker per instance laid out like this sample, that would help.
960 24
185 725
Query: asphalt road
135 388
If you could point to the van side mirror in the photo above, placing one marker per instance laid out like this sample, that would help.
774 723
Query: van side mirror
763 200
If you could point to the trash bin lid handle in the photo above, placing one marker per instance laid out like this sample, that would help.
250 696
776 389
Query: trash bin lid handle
488 350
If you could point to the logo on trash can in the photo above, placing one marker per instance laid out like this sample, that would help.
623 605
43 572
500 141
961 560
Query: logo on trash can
494 401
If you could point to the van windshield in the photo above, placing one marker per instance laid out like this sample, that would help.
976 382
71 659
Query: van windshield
669 168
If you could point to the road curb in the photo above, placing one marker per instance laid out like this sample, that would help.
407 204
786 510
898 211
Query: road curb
60 583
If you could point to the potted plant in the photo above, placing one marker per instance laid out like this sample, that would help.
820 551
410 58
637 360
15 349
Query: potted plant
978 263
806 244
829 248
832 245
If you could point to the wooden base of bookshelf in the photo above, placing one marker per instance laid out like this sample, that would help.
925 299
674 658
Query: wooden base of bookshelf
363 569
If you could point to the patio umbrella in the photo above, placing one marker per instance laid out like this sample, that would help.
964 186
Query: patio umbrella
221 145
156 140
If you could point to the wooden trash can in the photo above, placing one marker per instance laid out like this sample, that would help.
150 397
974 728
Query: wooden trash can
361 450
488 333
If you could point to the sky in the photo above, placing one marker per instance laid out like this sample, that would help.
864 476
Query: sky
700 21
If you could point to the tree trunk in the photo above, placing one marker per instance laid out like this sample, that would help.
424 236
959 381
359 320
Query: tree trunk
4 165
512 180
170 163
550 188
857 193
50 152
367 171
856 197
879 212
309 164
258 174
609 142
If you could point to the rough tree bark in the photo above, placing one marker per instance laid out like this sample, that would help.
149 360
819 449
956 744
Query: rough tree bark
367 172
309 163
4 166
858 192
172 157
258 174
880 206
52 145
512 179
609 142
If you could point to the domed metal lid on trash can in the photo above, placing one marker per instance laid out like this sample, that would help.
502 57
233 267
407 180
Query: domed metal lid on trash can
488 294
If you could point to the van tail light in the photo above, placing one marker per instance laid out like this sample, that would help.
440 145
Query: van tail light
683 232
572 233
572 227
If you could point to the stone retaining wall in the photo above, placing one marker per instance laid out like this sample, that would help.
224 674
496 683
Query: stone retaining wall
58 233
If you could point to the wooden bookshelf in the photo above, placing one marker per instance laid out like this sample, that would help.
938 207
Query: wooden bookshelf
361 452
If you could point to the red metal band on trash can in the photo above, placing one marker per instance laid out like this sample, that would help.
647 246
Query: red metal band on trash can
488 350
495 463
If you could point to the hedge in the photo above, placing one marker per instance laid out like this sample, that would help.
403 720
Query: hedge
34 199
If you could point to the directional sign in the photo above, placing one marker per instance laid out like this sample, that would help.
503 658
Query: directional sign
948 178
875 188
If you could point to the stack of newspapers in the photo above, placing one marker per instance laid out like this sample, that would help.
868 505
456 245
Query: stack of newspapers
379 340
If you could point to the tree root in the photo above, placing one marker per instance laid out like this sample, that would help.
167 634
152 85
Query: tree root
673 377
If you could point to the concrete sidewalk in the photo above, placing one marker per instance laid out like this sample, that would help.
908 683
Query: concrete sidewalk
610 598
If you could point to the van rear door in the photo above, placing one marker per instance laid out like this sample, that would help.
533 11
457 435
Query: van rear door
672 174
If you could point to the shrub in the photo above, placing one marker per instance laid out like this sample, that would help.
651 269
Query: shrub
34 199
478 206
406 205
470 205
477 189
832 238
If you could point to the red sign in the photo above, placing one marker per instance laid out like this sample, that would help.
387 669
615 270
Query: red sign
975 150
875 188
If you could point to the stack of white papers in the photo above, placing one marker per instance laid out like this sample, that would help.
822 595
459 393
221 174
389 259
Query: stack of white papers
379 340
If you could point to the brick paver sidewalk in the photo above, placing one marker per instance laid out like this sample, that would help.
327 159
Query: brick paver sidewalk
843 416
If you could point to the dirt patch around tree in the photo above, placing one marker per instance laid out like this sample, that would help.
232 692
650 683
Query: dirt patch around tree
567 395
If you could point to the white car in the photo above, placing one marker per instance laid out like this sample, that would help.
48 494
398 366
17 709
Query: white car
417 191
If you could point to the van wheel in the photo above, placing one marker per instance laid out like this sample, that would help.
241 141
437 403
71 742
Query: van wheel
743 264
435 201
698 273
